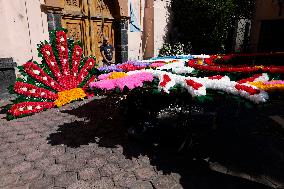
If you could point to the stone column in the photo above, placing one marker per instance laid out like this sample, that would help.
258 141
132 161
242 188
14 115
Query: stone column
122 40
54 21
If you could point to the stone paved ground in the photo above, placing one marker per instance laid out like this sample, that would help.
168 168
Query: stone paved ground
83 145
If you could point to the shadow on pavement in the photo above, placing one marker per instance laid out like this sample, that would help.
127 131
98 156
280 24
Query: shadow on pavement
244 145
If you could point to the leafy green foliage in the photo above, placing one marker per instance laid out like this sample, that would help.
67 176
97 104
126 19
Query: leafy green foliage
208 24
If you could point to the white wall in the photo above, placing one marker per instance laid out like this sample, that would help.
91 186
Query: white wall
23 26
161 19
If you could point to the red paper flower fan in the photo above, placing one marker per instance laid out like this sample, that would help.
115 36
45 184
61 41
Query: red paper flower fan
57 81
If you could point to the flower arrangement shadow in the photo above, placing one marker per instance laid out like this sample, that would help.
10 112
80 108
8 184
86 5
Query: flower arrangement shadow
235 147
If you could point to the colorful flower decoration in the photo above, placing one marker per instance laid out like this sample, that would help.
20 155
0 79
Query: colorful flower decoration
58 87
241 69
130 81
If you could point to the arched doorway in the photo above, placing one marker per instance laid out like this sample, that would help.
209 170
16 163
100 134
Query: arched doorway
88 21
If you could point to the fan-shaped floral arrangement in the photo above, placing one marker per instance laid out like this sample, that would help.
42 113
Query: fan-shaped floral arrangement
60 78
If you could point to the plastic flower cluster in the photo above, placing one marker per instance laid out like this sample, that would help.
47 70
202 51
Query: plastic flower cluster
129 81
242 69
269 85
52 83
67 96
197 86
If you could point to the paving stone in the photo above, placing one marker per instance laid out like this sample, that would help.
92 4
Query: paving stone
103 183
27 149
14 159
5 169
127 164
75 165
44 147
89 174
145 173
55 170
65 158
176 176
44 163
97 161
80 185
4 147
8 179
141 185
44 182
124 179
85 155
32 136
15 138
8 153
57 151
102 151
34 155
22 167
32 174
109 169
26 131
162 182
65 179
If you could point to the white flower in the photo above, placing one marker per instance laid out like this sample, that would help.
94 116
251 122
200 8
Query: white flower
42 93
75 63
66 73
38 107
75 74
64 61
62 48
62 39
32 91
47 52
77 52
21 109
91 63
30 108
24 89
36 72
58 74
44 78
52 63
52 83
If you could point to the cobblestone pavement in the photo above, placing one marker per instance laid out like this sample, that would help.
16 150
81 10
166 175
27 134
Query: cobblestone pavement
75 147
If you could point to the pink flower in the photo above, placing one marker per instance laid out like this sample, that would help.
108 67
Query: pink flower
130 81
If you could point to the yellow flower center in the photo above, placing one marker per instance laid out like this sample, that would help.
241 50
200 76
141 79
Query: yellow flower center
116 75
65 97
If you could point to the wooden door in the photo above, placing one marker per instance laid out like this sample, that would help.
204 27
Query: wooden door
88 21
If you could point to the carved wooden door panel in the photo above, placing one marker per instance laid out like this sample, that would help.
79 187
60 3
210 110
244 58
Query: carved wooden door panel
84 20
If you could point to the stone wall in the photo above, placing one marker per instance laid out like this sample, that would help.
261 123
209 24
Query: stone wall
7 75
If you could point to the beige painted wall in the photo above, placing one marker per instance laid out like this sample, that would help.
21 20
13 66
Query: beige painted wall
19 20
161 20
265 10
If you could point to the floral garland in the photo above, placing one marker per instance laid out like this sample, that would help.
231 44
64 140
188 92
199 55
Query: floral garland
25 108
232 69
129 81
64 80
177 67
67 96
197 86
255 78
274 85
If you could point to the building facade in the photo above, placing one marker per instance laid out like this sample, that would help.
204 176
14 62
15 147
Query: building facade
136 28
267 27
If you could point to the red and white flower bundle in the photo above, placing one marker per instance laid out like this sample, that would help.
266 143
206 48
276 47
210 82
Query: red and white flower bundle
25 108
33 91
63 79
